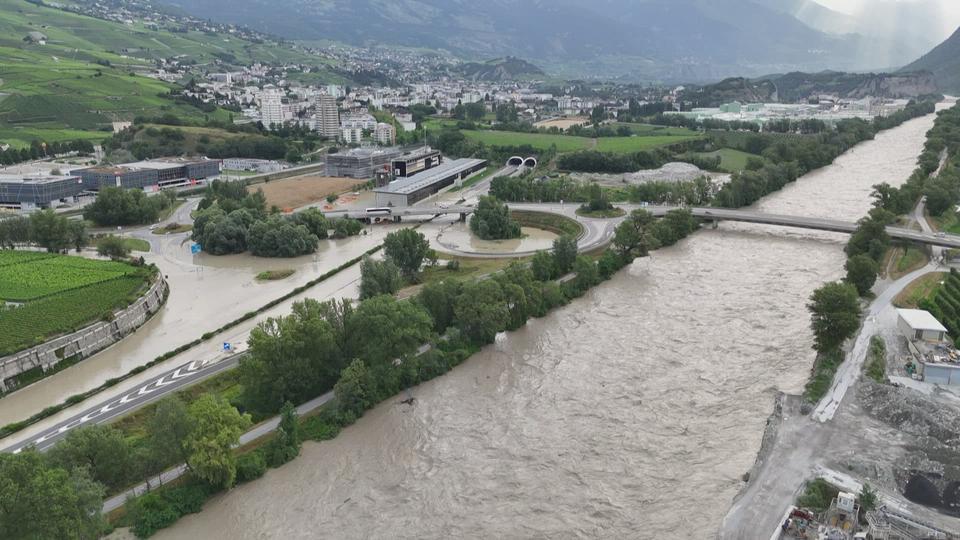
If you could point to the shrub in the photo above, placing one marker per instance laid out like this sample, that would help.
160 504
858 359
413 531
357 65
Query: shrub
251 466
149 513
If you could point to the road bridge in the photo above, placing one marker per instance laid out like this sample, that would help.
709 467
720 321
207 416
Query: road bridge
707 214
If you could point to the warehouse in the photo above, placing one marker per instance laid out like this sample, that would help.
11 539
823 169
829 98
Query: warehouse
409 191
38 192
416 161
151 175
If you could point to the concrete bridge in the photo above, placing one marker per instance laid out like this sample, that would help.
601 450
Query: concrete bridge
707 214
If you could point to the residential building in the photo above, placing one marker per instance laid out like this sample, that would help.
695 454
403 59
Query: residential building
328 116
351 135
271 108
920 325
385 134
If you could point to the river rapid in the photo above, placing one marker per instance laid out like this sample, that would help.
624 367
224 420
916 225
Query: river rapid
631 413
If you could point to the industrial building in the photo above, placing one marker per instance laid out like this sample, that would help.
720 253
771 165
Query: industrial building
360 162
152 175
407 191
38 192
416 161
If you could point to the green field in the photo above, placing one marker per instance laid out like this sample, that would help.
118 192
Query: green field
60 294
626 145
730 160
651 129
564 143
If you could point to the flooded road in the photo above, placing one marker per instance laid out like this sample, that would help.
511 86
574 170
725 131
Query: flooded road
631 413
206 292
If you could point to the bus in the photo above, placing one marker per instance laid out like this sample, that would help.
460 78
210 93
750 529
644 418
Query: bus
380 211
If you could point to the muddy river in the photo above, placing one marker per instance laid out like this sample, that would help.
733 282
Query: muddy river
632 413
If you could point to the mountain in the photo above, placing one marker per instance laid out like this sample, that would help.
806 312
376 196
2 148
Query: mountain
944 62
797 86
500 69
673 40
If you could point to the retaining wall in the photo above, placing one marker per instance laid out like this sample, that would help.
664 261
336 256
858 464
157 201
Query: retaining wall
85 342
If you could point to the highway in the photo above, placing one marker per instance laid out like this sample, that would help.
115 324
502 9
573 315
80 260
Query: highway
156 388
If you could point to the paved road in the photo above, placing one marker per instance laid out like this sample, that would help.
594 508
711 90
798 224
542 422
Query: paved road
258 431
171 381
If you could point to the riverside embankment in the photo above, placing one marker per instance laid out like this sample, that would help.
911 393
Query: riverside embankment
634 412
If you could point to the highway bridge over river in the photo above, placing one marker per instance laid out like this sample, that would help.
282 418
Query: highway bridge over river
707 214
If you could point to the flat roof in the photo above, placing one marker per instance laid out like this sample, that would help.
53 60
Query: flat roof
364 152
429 177
919 319
36 179
148 164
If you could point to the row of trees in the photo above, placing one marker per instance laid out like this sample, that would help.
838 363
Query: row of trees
46 229
59 494
40 149
118 206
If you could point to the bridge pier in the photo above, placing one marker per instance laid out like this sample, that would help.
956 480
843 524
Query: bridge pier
714 224
396 219
463 217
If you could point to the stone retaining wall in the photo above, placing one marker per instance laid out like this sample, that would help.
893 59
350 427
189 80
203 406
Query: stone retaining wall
85 342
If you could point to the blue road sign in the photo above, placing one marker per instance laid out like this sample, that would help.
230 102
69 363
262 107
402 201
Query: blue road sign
195 248
226 346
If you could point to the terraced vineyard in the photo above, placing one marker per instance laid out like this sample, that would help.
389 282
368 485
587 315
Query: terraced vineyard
60 294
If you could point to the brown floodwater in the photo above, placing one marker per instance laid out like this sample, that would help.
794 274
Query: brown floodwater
631 413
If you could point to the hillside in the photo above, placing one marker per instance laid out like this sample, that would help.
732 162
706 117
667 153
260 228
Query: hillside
500 69
944 62
676 40
84 76
798 86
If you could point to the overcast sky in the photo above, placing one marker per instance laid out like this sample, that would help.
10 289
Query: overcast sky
949 10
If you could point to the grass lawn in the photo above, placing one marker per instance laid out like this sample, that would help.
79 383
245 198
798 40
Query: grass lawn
923 287
136 244
549 222
604 214
650 129
626 145
730 160
900 261
474 180
949 222
274 275
564 143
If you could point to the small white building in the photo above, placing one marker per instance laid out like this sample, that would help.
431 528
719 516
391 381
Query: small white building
920 325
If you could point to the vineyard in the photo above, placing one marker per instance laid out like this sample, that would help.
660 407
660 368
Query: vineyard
944 304
60 294
24 276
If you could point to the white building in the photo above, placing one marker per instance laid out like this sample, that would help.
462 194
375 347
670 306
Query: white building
385 134
362 121
920 325
271 108
351 135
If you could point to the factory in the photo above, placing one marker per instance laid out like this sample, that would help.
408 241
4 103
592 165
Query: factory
360 162
29 193
407 191
151 175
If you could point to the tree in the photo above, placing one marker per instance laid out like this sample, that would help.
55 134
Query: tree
835 315
286 445
217 427
343 227
439 298
587 274
481 311
49 230
868 498
293 358
101 449
564 254
314 221
862 273
77 231
634 237
279 237
42 501
354 390
113 247
378 277
168 428
383 329
870 238
406 248
543 266
492 220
